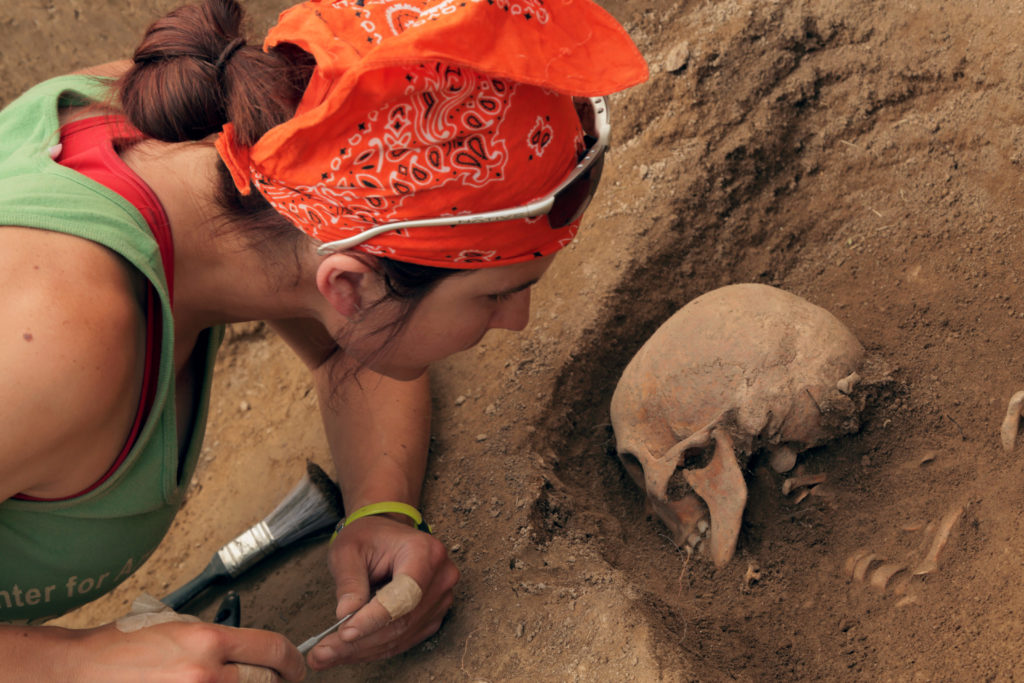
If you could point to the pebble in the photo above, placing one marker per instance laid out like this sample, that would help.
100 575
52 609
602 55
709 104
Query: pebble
481 437
678 57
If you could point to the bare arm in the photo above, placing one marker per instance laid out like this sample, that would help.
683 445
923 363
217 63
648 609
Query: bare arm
172 652
378 430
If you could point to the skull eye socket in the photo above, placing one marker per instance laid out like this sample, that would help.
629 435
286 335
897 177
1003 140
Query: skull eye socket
633 467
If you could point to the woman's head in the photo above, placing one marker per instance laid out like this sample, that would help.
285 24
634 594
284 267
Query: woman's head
360 113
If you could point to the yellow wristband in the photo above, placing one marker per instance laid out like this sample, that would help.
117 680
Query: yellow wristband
384 508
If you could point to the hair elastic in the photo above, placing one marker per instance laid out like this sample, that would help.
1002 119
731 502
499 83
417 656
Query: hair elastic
226 53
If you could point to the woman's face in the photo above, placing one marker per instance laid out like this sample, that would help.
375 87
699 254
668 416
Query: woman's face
453 317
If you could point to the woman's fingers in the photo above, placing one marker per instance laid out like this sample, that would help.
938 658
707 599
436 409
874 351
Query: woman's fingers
418 578
379 636
262 649
247 673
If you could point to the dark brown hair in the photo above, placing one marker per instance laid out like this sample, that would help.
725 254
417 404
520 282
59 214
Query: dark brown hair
192 74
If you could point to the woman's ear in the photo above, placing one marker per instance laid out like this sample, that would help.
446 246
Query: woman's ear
342 278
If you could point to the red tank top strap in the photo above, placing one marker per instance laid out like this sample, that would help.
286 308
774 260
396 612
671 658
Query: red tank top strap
87 146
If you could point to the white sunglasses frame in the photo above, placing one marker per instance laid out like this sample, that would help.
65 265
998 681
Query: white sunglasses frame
538 207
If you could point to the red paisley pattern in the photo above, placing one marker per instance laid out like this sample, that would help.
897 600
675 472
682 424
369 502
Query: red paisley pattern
447 136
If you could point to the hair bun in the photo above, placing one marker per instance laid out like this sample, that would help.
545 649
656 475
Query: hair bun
194 72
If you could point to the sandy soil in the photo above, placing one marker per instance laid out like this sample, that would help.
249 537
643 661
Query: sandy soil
866 156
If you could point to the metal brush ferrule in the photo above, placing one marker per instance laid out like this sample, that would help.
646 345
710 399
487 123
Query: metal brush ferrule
247 549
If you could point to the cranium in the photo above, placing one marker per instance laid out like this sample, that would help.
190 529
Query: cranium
738 370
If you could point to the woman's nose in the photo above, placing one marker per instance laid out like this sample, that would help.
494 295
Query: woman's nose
514 312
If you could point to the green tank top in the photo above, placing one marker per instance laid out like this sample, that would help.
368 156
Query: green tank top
55 556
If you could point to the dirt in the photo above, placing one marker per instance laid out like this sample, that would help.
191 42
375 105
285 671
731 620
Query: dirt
866 156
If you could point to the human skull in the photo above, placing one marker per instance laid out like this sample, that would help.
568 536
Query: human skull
740 369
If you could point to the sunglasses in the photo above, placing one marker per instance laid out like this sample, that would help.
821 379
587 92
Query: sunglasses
562 205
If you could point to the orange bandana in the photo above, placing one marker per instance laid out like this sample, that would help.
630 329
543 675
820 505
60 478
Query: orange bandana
427 108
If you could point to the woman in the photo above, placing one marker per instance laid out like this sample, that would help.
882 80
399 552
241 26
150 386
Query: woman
433 159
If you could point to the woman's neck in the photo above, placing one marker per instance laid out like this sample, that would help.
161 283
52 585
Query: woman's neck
218 278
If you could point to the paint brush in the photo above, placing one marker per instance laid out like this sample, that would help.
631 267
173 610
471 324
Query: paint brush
313 505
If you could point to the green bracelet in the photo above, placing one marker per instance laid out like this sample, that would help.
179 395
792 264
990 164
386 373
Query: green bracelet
384 508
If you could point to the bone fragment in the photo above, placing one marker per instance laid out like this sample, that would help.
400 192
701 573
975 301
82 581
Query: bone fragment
822 491
794 483
846 384
913 526
1011 423
852 560
753 574
400 596
724 491
801 495
860 570
782 459
880 577
926 536
926 458
906 600
930 563
702 526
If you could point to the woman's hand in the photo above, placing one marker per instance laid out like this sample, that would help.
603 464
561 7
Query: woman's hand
368 553
175 652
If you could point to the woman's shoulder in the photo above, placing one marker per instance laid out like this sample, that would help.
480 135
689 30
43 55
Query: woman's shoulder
47 273
73 331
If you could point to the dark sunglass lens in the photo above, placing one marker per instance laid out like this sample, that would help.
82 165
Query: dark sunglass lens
574 199
588 120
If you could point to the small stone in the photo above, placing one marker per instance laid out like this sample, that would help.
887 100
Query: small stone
481 437
244 406
460 400
678 57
